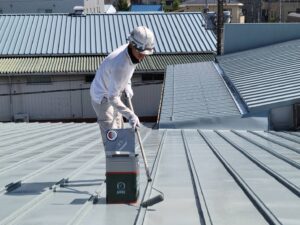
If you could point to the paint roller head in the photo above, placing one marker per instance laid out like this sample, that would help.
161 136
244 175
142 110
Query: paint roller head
152 201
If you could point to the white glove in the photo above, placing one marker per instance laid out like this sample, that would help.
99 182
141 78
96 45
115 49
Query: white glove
129 92
134 121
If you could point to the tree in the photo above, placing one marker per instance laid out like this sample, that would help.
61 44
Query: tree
122 5
176 4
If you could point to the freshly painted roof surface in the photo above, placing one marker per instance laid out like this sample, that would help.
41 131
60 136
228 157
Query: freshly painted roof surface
265 77
145 8
89 64
56 34
194 91
207 177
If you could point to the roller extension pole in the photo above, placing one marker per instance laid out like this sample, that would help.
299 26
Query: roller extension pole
141 146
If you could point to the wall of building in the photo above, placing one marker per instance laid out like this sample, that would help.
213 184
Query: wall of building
278 11
50 6
235 9
39 6
252 10
65 98
94 6
241 37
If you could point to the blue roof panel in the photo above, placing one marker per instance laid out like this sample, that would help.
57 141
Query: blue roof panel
146 8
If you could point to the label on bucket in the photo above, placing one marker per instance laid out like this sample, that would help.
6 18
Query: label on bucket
121 140
111 135
121 187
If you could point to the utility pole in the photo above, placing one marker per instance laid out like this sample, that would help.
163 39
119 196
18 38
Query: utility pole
280 13
220 23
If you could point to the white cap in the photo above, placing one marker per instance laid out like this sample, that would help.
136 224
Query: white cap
142 39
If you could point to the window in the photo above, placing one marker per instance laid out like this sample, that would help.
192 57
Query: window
48 10
89 78
296 116
38 79
152 77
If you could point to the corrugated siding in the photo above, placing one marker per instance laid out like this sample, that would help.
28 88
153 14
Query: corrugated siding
89 64
265 76
195 91
65 98
41 34
149 93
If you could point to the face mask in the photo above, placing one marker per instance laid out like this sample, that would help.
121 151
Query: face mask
133 59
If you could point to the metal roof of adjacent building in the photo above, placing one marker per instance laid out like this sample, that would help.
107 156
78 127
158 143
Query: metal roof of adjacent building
56 34
265 77
146 8
55 170
89 64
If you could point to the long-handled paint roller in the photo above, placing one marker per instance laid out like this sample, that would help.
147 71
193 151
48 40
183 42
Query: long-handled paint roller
160 197
151 201
141 145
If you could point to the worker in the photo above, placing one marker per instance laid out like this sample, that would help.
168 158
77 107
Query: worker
113 77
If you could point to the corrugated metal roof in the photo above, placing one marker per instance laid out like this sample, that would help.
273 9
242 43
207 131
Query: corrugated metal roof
195 91
89 64
207 177
52 34
265 77
145 8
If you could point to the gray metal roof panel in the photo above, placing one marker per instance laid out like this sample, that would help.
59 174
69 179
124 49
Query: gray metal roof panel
201 173
267 76
193 91
44 34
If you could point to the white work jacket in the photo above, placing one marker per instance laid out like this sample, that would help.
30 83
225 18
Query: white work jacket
113 75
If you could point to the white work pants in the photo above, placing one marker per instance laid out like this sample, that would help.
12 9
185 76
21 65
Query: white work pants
107 117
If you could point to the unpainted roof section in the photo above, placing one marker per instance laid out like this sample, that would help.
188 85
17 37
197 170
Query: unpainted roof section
202 174
56 34
265 77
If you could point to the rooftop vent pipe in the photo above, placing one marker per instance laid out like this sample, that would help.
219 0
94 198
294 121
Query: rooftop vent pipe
78 10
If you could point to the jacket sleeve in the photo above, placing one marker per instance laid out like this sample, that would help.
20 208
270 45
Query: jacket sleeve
120 106
128 89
